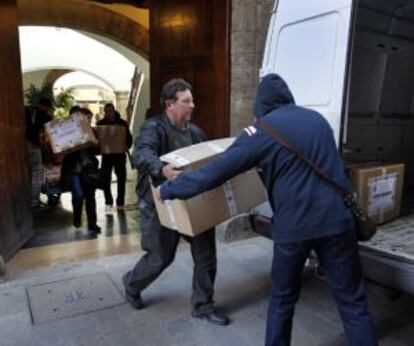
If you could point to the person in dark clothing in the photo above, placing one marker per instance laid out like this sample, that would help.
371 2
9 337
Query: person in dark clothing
160 135
115 161
308 213
73 166
35 118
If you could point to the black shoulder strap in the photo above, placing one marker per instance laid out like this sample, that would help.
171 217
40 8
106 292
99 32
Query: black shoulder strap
276 135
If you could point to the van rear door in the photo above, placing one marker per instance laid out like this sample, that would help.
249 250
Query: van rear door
307 44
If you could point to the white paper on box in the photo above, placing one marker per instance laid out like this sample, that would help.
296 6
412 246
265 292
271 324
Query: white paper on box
216 148
68 132
176 158
381 194
230 199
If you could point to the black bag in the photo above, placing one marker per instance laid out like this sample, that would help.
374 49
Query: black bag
365 228
93 176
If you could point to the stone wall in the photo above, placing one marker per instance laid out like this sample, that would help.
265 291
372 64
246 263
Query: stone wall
250 20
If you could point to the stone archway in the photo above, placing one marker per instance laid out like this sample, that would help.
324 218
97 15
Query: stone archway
87 16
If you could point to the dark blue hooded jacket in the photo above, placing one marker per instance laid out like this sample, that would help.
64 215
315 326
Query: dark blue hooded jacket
304 206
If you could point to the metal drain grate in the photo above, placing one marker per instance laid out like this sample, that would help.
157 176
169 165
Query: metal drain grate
66 298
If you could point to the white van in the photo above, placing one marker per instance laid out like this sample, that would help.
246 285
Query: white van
353 61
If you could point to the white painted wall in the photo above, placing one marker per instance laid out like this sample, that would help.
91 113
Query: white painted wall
48 48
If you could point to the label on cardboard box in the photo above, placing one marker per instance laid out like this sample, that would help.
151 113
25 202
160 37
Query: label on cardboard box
379 189
381 195
68 132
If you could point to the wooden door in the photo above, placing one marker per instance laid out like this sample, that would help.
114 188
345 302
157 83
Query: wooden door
15 213
190 39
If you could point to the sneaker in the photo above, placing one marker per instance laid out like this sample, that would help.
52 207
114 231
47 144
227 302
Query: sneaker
108 209
212 317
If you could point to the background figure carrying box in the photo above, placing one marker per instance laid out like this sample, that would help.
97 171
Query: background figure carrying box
115 160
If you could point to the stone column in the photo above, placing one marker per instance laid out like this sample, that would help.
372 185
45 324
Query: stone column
250 20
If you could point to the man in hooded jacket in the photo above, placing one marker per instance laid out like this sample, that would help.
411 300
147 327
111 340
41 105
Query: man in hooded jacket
308 213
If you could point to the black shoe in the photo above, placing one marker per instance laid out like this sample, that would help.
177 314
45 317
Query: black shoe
77 223
91 234
135 301
95 228
212 317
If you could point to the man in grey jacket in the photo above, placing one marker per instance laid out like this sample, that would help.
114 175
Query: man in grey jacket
160 135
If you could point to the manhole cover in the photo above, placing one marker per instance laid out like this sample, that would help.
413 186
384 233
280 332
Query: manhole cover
66 298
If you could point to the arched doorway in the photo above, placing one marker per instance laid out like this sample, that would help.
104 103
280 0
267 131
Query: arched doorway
90 17
196 49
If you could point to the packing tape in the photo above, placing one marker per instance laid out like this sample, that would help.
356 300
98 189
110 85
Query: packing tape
176 159
230 200
382 212
171 215
216 148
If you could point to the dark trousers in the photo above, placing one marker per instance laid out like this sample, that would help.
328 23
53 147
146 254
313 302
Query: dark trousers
83 192
117 162
160 245
339 258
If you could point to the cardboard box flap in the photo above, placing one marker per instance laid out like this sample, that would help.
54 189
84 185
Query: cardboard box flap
197 153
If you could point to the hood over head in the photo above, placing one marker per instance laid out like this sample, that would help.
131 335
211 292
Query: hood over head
272 92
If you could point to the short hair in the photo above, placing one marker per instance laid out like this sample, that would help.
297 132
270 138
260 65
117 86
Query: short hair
170 89
86 111
109 105
74 109
45 102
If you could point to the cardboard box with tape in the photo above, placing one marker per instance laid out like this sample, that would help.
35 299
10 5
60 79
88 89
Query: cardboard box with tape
379 189
69 134
112 139
200 213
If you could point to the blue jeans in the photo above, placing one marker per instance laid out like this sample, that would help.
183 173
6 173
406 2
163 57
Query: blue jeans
80 192
339 258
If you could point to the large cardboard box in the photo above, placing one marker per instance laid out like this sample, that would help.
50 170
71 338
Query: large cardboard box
69 134
200 213
112 139
379 189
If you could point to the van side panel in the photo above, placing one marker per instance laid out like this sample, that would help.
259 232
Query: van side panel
307 45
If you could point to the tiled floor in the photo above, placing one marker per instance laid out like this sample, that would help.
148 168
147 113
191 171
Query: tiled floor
53 225
242 289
